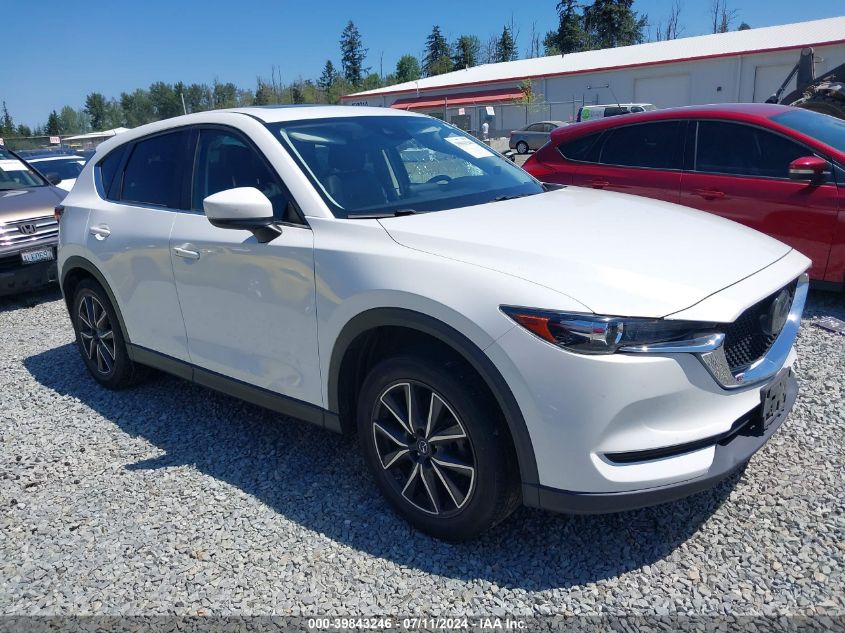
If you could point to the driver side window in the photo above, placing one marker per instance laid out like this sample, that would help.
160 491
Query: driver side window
225 161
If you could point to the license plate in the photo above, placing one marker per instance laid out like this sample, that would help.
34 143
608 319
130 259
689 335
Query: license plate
40 255
774 399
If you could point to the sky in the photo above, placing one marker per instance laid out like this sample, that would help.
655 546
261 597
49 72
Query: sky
64 50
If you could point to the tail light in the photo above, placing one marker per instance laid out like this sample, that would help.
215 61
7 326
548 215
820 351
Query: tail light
58 211
538 168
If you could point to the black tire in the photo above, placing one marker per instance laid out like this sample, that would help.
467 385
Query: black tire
102 346
443 500
522 147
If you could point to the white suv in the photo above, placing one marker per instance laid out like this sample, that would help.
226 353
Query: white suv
491 342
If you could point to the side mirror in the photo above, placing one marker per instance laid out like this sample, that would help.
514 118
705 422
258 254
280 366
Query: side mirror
53 178
244 208
809 168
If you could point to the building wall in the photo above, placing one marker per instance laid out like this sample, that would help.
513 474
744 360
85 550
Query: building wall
732 79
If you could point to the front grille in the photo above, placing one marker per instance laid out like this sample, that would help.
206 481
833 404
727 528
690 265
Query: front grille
16 234
746 341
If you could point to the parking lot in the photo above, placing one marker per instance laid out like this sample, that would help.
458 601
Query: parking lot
173 499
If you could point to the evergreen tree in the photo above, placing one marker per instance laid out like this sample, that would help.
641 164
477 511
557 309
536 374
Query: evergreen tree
437 58
550 45
95 107
611 23
7 126
407 69
327 78
352 54
23 130
506 47
53 126
264 94
570 37
465 52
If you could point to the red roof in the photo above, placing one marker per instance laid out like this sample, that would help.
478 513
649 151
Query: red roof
462 98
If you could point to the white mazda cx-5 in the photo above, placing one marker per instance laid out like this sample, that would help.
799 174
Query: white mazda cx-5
491 340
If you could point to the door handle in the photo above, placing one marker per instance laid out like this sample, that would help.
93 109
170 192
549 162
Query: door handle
709 194
597 183
101 232
187 253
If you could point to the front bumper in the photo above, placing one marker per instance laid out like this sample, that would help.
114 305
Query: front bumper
730 455
25 277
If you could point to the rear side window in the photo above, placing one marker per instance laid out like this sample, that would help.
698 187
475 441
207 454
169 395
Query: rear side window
743 150
579 148
152 174
649 145
107 169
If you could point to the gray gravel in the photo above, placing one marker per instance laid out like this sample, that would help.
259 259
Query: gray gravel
173 499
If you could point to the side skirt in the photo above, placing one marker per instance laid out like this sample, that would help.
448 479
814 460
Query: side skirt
236 388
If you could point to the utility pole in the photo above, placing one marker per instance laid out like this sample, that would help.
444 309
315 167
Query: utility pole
184 109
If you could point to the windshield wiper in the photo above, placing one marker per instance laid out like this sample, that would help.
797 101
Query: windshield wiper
502 198
375 216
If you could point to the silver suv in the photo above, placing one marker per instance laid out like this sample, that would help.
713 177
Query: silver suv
28 228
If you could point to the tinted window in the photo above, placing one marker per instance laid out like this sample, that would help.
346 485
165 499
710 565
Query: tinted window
225 161
652 145
614 111
731 148
107 169
579 148
152 174
64 169
827 129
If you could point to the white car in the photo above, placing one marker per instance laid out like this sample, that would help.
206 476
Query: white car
490 341
62 169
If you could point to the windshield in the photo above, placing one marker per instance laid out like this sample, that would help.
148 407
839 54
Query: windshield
827 129
381 165
64 168
14 173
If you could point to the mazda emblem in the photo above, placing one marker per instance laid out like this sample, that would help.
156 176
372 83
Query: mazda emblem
778 313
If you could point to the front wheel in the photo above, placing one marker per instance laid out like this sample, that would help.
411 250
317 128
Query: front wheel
436 446
522 147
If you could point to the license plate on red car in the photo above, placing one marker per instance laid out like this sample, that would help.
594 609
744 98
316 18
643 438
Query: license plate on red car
38 255
774 399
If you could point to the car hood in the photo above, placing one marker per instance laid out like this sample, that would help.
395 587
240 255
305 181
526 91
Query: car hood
32 202
616 254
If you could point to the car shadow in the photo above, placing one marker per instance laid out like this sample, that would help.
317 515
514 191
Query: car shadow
30 298
317 479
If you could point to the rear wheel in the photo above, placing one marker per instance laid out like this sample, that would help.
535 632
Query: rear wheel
100 339
522 147
435 445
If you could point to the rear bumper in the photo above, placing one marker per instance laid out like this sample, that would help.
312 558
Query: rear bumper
27 277
731 454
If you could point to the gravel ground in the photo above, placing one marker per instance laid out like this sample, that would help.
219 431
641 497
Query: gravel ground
173 499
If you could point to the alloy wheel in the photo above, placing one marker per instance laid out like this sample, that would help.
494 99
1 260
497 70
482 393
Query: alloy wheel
96 334
424 447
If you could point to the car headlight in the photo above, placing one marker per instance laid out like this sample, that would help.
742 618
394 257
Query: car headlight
597 334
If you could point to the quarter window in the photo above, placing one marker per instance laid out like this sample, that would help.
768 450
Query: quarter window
152 174
650 145
744 150
107 170
225 161
579 148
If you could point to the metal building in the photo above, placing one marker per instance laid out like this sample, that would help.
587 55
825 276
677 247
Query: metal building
739 66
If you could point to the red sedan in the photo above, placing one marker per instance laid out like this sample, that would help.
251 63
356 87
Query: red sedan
777 169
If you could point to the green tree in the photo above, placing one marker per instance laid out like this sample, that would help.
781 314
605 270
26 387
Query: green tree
352 54
23 130
371 82
137 108
96 106
506 47
550 45
327 78
437 59
264 94
72 121
198 98
7 126
745 26
571 36
224 95
611 23
407 69
53 125
465 52
165 99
